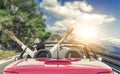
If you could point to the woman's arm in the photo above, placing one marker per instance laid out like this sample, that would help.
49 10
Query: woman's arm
62 40
13 37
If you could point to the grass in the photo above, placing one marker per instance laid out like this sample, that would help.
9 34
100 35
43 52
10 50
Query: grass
7 53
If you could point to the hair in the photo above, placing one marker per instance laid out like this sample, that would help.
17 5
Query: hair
40 45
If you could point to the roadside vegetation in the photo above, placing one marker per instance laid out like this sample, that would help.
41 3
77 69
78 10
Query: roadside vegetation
24 18
7 53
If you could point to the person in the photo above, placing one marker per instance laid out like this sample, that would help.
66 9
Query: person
38 44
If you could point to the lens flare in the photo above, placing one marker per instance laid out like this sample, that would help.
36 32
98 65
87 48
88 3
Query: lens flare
86 32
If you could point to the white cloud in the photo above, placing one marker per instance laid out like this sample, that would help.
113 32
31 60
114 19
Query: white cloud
73 13
111 41
83 6
45 16
57 27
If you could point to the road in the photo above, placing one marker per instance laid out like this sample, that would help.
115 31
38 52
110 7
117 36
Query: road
2 66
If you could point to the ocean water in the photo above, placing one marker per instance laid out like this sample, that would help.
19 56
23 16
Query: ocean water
116 52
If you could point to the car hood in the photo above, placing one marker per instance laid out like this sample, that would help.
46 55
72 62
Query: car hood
58 65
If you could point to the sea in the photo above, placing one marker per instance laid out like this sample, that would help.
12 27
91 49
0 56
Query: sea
116 51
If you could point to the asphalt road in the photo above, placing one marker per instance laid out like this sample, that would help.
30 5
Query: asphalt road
2 66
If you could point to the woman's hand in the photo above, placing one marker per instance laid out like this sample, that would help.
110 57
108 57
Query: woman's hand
13 37
10 34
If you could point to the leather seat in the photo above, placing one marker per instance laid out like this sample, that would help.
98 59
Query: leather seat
43 53
72 54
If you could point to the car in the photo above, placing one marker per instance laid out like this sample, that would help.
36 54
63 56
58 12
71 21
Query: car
66 59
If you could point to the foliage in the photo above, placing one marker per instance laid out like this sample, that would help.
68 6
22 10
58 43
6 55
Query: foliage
7 53
24 19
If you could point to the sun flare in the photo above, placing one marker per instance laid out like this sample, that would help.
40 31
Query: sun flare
86 32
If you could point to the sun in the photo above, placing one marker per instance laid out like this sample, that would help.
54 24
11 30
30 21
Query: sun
86 32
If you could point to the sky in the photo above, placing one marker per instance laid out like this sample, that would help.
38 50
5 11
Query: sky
102 14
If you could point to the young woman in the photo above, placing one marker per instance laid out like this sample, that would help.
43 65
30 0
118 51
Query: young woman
37 43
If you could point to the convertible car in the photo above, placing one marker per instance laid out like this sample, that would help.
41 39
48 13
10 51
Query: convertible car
67 59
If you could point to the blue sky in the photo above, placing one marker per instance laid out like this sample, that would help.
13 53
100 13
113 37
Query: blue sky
110 8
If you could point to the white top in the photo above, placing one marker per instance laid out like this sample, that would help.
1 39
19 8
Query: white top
28 51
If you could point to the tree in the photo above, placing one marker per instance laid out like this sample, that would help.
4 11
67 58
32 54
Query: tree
24 19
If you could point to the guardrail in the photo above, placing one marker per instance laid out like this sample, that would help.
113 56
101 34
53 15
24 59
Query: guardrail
110 55
112 60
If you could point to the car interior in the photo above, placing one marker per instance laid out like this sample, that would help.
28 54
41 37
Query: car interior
71 53
43 53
